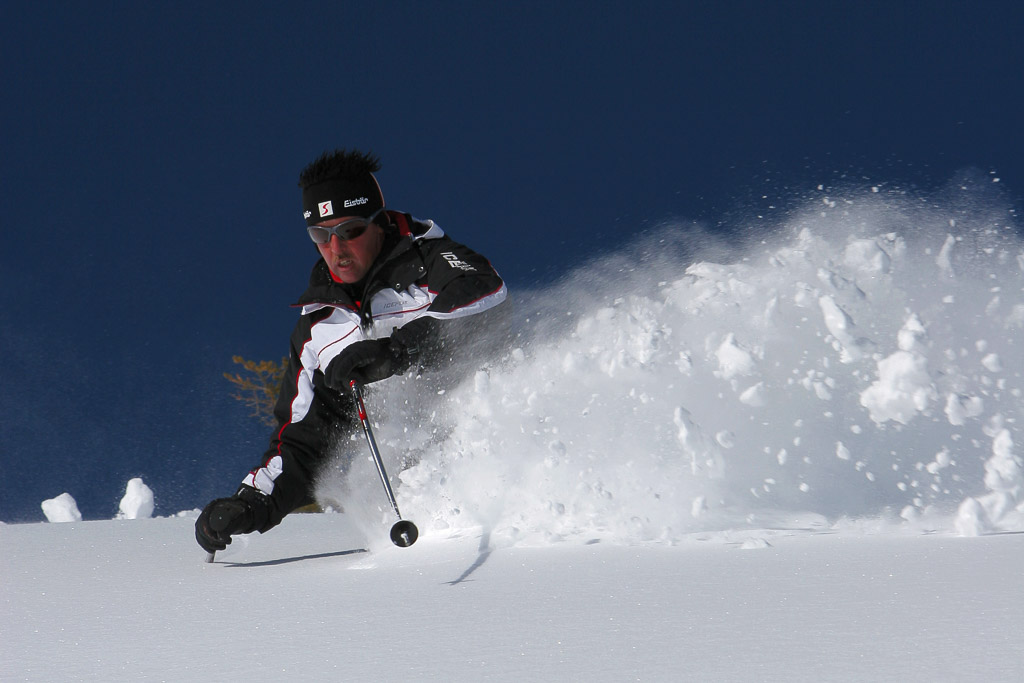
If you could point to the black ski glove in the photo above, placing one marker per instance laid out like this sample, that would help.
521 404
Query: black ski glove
245 512
367 361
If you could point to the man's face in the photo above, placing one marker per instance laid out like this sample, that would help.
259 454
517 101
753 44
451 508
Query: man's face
350 260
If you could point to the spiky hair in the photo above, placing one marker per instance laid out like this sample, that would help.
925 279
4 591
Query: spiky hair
346 164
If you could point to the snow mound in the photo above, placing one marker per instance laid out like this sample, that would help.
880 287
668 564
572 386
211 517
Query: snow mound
137 502
63 508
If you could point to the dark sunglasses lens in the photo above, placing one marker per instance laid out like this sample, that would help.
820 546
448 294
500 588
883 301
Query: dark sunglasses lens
353 231
319 235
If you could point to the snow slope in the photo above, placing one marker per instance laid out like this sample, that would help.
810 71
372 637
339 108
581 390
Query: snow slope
133 600
795 458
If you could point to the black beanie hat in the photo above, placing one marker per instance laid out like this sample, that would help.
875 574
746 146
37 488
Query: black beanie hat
339 196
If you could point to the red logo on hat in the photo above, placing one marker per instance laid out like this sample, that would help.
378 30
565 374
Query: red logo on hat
325 209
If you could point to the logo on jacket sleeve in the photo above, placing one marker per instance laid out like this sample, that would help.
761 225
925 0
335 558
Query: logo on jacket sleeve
326 209
455 262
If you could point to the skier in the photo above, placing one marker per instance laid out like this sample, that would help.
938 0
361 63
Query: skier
382 299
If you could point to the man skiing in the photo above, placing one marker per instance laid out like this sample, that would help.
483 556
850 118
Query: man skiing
382 297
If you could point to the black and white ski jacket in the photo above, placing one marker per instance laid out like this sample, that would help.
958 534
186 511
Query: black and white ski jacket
420 273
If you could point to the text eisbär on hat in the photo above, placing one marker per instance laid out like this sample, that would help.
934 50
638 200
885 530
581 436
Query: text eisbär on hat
327 208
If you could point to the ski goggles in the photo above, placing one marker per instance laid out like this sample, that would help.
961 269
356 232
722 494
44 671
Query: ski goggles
344 231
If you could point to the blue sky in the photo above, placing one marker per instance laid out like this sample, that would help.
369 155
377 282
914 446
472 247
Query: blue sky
151 224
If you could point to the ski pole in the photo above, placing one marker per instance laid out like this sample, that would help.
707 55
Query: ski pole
404 533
